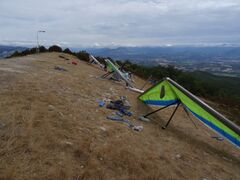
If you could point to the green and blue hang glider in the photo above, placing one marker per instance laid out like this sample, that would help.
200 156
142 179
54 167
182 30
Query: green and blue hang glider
94 60
167 93
114 68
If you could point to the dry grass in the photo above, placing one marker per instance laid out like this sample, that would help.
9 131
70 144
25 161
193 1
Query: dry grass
52 128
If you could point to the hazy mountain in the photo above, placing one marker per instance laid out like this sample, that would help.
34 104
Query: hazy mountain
8 50
174 53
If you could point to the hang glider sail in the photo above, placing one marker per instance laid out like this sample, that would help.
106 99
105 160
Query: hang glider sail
167 92
114 68
94 60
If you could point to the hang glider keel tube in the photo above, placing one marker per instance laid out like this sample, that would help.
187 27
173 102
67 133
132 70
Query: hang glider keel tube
169 120
93 59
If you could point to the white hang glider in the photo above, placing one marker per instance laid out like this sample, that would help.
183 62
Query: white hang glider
114 69
94 60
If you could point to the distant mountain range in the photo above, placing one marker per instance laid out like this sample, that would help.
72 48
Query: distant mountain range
172 53
8 50
218 60
136 54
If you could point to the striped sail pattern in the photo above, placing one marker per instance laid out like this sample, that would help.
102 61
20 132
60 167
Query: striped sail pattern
168 92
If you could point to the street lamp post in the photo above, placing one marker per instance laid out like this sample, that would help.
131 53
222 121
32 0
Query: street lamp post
38 46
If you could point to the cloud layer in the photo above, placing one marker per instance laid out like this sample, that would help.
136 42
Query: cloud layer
119 22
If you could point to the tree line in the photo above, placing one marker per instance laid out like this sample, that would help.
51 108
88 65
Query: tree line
224 90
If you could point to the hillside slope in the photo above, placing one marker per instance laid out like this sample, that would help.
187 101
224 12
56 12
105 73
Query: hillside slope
51 127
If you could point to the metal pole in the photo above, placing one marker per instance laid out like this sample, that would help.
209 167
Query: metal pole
37 43
158 110
188 115
164 127
146 82
38 46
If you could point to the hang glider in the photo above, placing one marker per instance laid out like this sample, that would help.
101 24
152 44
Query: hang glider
167 93
112 68
94 60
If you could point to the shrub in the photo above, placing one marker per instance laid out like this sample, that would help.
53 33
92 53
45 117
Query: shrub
83 55
42 49
55 48
68 51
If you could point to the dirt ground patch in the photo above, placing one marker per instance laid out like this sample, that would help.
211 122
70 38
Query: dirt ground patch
51 127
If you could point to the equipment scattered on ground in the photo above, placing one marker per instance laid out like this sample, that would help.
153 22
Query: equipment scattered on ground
120 119
59 68
135 90
142 118
137 128
129 124
101 103
74 62
122 106
169 93
63 57
119 114
218 138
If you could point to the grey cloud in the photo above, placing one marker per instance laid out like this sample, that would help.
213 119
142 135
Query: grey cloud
124 22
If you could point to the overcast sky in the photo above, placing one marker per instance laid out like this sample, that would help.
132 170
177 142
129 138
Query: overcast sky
76 23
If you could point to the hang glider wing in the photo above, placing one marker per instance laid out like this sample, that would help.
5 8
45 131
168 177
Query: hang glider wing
203 112
114 68
160 95
96 61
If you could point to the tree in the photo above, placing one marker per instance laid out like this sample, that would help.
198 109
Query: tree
55 48
68 51
42 49
31 51
83 55
15 54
